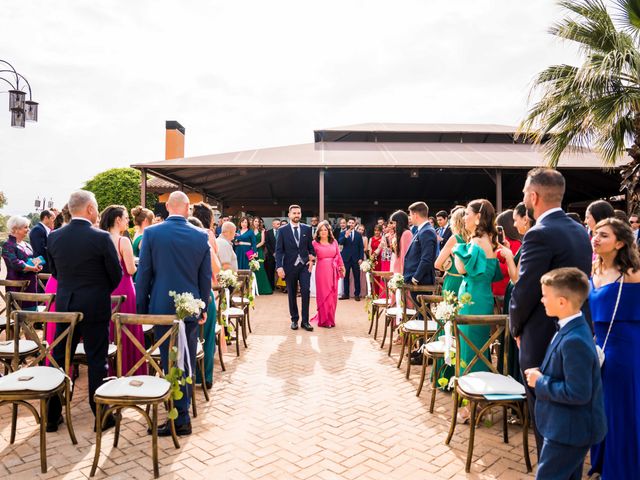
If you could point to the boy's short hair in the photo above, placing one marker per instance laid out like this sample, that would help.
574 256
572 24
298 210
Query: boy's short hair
568 282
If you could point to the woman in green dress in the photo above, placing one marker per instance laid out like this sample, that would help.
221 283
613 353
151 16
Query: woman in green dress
264 287
445 261
478 264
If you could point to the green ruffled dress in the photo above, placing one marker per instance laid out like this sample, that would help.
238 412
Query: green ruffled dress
481 273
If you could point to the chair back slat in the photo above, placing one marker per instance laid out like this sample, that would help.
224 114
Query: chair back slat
116 303
15 301
122 322
43 278
425 303
500 335
24 321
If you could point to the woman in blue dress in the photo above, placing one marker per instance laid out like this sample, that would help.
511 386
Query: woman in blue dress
616 274
245 241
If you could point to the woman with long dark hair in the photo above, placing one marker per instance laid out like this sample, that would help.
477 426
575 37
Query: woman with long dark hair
329 268
615 311
115 220
399 221
264 288
245 243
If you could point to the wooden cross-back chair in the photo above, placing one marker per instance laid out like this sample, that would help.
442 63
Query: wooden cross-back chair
35 382
219 330
235 316
26 347
21 285
406 312
417 326
474 386
130 391
242 300
378 282
433 348
43 278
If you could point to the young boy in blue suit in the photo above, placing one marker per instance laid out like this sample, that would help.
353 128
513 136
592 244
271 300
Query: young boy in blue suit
569 401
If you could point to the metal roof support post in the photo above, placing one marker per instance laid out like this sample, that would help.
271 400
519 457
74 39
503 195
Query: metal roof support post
143 187
499 190
321 190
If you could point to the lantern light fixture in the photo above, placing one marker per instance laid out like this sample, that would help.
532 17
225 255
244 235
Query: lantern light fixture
21 109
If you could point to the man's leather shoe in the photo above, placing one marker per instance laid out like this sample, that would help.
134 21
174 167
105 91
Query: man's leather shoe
307 327
110 422
343 298
53 427
181 430
209 385
294 325
357 298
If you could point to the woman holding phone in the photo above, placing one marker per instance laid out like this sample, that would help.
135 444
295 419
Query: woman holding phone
508 237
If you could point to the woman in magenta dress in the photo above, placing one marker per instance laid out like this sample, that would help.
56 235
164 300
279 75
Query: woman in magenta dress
115 220
329 268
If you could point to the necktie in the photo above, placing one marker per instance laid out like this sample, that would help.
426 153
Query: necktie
557 325
296 234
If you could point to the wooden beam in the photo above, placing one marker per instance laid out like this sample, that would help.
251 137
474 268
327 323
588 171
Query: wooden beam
498 190
321 194
143 187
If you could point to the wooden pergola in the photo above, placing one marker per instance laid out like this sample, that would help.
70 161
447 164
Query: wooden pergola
372 169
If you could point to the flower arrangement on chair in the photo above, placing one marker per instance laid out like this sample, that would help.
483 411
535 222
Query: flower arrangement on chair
186 306
228 280
254 266
367 266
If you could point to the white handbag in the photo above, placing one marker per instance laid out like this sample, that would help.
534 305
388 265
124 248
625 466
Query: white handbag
600 351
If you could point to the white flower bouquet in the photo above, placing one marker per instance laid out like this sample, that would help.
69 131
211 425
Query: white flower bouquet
366 266
254 265
451 305
396 281
227 279
186 304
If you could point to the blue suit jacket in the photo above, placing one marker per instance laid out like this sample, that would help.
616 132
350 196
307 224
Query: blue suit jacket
569 398
286 249
38 241
352 247
418 263
176 256
555 242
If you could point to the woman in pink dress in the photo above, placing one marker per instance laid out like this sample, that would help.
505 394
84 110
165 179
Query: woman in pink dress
115 220
329 268
400 242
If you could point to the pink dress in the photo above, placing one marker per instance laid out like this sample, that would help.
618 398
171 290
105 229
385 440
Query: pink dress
397 263
50 332
130 354
328 264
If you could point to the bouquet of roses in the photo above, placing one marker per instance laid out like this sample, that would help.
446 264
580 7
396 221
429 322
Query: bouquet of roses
254 265
227 279
396 281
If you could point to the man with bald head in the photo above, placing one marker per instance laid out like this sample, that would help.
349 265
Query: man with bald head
175 256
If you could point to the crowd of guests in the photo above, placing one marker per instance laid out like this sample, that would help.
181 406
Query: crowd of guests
530 262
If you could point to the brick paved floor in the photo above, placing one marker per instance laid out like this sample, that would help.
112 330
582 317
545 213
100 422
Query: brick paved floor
328 404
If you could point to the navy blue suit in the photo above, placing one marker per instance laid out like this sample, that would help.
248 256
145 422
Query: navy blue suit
570 402
556 241
176 256
421 256
287 253
352 252
38 241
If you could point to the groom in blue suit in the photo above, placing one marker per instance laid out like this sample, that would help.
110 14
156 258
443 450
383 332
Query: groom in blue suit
294 259
420 258
176 256
569 399
352 255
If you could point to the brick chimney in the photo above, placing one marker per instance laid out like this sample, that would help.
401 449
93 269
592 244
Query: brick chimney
174 143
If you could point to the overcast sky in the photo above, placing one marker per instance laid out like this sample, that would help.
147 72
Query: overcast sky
244 74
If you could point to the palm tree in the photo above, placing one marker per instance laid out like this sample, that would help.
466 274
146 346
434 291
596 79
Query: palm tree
596 104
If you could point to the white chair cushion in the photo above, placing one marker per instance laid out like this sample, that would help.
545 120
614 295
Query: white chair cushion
418 325
487 383
436 347
152 387
395 310
81 351
380 301
239 300
24 346
44 379
233 312
147 328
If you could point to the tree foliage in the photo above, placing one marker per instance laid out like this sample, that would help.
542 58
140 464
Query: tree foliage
595 104
118 186
3 200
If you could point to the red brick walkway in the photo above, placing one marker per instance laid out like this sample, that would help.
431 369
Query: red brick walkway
328 404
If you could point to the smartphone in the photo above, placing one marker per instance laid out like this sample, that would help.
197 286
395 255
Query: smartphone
500 234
